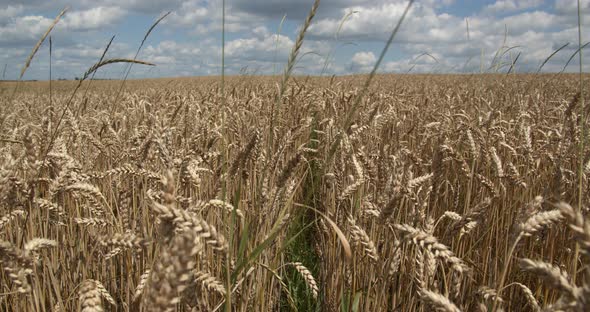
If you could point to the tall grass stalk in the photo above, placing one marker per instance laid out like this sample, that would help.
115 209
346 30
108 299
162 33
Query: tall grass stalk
130 65
274 61
104 53
550 56
36 48
582 138
335 41
276 106
50 78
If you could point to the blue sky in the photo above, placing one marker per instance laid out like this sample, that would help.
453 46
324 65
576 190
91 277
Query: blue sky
188 42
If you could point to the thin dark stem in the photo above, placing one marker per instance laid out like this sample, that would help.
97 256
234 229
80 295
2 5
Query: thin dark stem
582 139
128 70
104 53
50 89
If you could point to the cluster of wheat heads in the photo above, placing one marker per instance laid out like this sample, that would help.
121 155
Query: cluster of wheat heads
447 193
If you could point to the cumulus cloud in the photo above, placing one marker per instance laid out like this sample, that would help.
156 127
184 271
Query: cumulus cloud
203 17
374 22
24 29
172 49
189 13
8 12
259 48
364 58
533 33
298 10
143 6
265 52
512 5
29 28
92 19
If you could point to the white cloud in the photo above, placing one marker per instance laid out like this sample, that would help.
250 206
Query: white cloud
24 28
9 12
298 10
262 49
205 18
143 6
534 34
426 25
364 59
189 13
423 24
527 21
512 5
171 48
92 19
29 28
261 32
368 21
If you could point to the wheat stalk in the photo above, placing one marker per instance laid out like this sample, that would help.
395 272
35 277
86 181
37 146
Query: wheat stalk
210 282
187 221
430 243
102 63
40 42
172 274
530 297
359 236
90 297
550 274
579 226
36 244
143 281
307 276
437 301
539 221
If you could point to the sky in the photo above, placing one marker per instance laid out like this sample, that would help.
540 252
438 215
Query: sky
345 37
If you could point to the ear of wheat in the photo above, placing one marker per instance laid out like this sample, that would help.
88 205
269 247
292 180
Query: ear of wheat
308 277
430 243
552 275
437 301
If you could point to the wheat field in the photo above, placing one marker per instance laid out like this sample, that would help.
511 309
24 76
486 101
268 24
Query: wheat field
442 192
